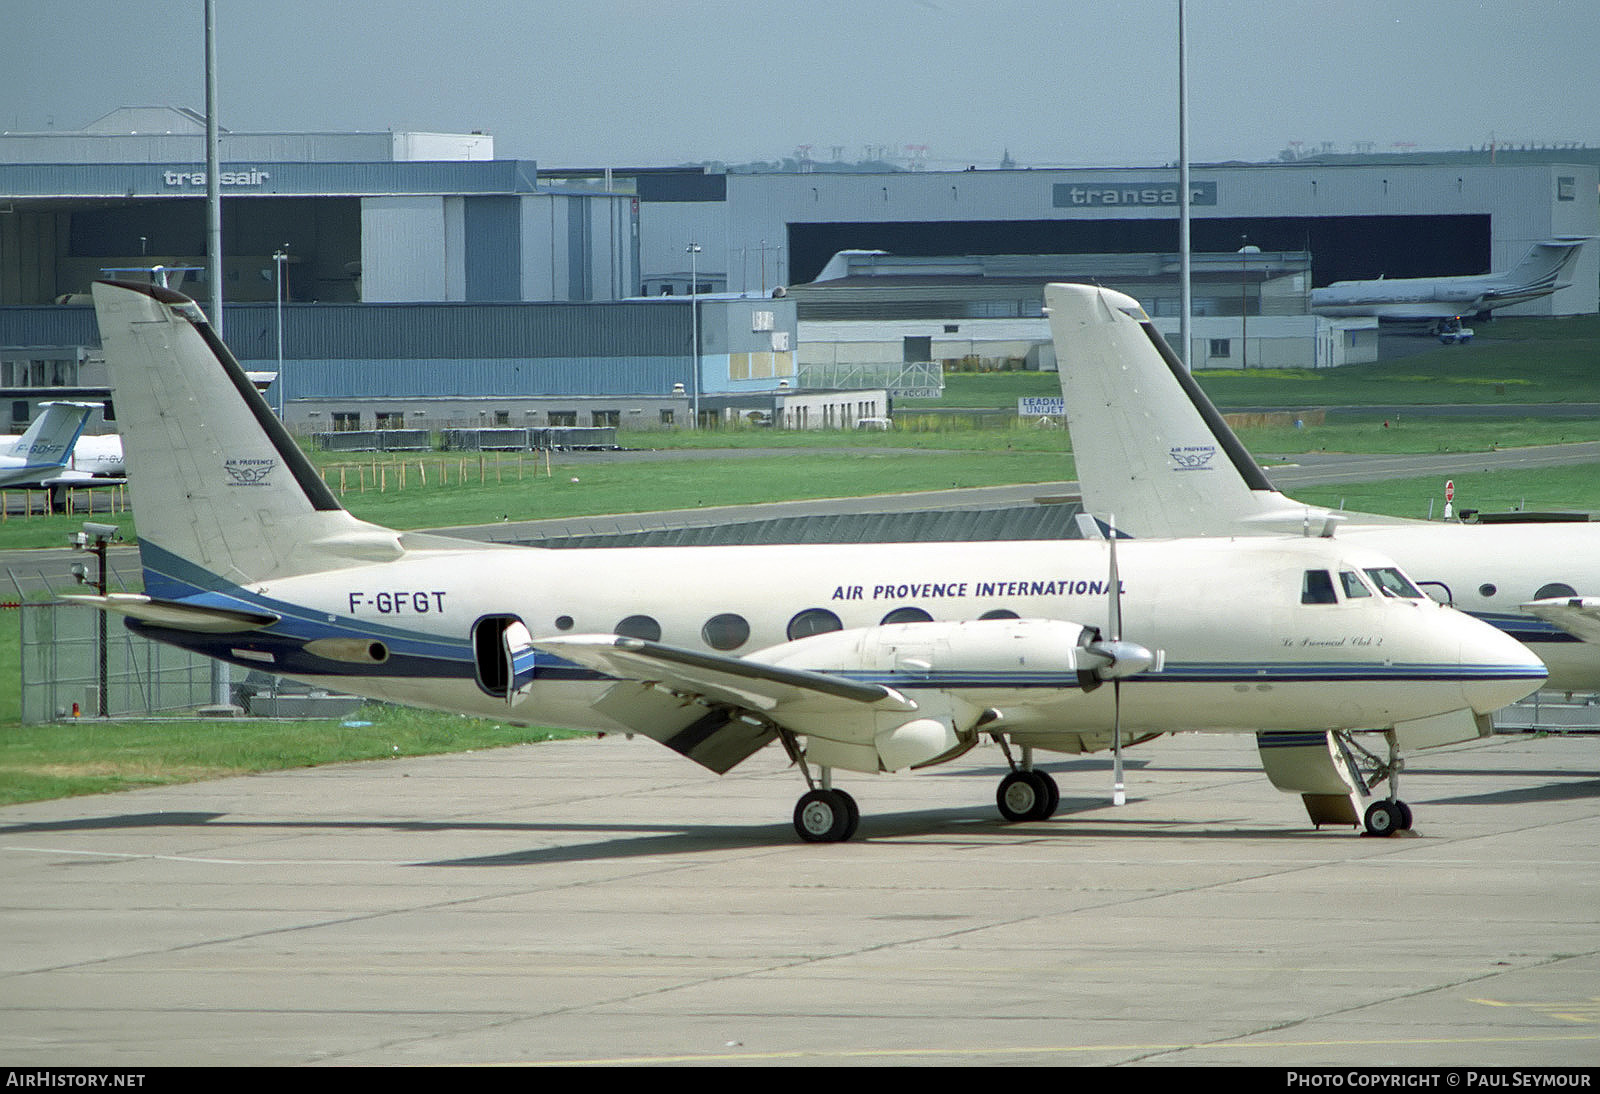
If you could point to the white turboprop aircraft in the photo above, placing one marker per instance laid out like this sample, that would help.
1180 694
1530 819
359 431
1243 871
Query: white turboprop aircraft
1150 446
1436 299
862 657
39 457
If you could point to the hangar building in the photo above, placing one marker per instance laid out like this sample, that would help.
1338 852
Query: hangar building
422 276
1411 219
421 279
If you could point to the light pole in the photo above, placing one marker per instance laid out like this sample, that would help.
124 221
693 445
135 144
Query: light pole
1245 251
694 323
279 257
1185 259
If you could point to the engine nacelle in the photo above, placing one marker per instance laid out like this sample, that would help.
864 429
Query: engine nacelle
944 653
926 659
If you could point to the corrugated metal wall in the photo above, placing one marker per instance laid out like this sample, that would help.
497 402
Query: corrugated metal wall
456 377
395 350
407 331
493 245
403 249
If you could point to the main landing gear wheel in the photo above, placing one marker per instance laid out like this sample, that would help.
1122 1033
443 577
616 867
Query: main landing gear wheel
1027 796
826 816
1385 817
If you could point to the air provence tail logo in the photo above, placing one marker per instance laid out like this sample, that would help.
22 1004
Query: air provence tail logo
1193 457
249 472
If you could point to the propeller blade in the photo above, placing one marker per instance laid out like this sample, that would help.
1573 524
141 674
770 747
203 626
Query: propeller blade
1115 585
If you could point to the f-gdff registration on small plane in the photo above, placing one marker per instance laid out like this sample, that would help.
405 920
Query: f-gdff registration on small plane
862 658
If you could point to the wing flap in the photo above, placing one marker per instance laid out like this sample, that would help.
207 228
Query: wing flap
714 736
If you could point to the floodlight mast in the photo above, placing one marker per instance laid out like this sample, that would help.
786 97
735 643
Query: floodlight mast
213 175
221 674
694 323
279 257
1185 305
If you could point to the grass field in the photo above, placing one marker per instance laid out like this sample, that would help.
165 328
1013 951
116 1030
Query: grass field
1508 361
1512 361
86 756
1556 489
439 490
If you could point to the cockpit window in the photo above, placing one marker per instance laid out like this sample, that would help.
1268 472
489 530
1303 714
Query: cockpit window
1353 585
1392 582
1317 588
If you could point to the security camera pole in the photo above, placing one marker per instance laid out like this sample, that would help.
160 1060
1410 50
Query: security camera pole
96 538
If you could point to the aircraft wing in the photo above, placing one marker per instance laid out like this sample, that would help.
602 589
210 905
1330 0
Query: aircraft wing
1577 615
82 478
733 680
713 709
175 615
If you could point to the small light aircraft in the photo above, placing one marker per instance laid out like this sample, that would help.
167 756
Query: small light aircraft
39 457
864 658
1442 301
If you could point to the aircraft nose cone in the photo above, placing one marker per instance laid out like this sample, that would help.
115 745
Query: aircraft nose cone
1499 669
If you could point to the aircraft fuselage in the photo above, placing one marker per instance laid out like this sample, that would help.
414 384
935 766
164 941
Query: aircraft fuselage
403 630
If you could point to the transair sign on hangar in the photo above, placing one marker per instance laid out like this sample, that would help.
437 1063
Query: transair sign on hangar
1082 195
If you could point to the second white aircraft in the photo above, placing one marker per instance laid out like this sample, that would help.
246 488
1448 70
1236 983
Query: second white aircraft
1150 446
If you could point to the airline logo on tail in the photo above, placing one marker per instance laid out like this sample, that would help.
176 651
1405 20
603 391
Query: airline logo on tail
1193 457
249 472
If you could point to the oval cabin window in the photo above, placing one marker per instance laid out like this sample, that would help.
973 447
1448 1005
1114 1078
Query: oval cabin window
726 631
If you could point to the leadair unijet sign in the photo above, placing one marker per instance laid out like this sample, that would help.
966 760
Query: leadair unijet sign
1123 195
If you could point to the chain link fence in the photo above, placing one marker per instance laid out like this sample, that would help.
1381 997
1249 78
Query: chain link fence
63 675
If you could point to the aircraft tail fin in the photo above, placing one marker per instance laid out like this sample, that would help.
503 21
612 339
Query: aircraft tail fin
49 440
1545 264
222 492
1148 444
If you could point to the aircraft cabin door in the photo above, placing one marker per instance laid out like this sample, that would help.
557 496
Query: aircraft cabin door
503 655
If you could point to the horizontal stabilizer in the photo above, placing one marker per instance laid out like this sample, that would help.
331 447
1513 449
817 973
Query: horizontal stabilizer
175 615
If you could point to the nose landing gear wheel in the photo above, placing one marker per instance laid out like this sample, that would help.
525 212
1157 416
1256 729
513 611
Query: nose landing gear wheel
1386 817
826 816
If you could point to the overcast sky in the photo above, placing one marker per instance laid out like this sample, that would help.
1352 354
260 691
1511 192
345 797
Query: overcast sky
628 83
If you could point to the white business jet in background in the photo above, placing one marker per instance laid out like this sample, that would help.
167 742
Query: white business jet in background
40 456
1446 300
864 658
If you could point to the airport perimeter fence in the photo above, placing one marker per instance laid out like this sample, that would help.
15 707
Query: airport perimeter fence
62 675
476 439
